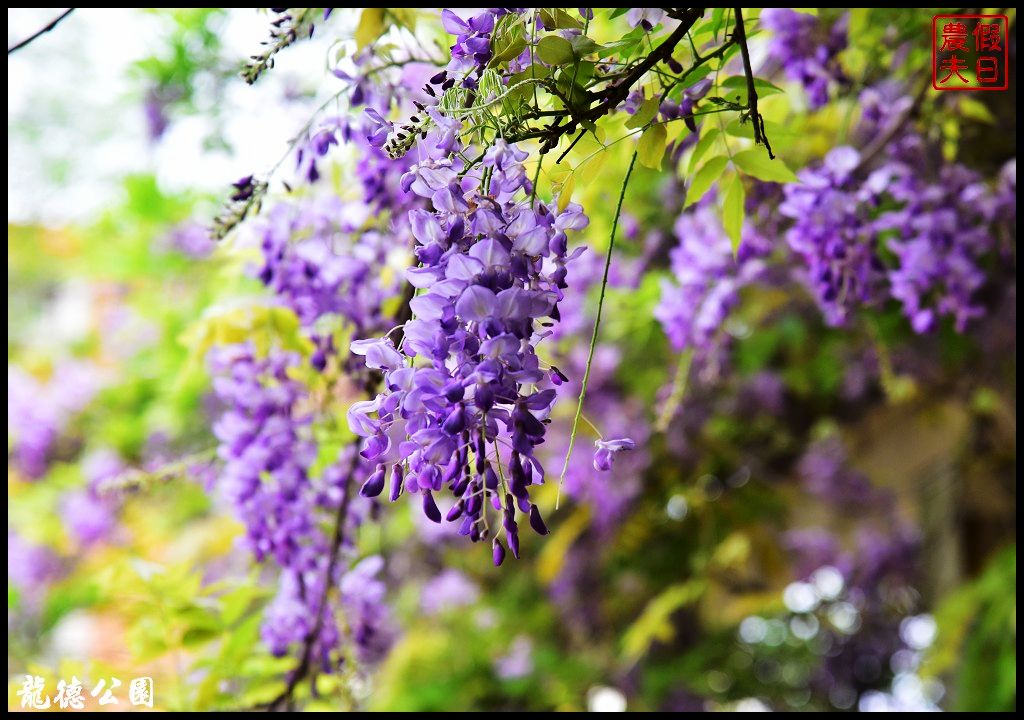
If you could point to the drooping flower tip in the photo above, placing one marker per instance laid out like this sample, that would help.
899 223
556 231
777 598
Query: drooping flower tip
374 484
397 480
430 508
537 522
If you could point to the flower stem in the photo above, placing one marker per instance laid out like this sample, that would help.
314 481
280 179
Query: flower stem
597 326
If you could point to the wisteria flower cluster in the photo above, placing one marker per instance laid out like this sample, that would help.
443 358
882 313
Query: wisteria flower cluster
833 234
937 224
706 278
463 388
807 50
267 478
319 262
472 50
38 412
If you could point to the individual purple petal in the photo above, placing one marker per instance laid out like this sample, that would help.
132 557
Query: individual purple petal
475 304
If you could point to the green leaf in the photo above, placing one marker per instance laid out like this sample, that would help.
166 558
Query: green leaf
707 139
559 19
626 45
651 147
623 47
645 114
976 110
508 40
705 177
716 21
732 211
582 45
738 84
755 162
555 50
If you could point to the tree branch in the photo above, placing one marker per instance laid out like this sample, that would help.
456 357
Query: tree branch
566 121
755 116
302 670
308 643
42 31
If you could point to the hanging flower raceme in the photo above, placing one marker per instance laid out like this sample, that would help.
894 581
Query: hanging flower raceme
465 401
807 50
318 260
900 227
268 454
833 234
707 279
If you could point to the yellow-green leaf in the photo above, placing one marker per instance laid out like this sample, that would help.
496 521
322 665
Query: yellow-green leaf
976 110
651 148
732 210
371 26
654 623
645 113
705 177
565 195
553 553
707 139
755 162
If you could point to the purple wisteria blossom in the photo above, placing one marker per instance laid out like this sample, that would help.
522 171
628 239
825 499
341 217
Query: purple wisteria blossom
604 455
30 567
706 278
471 409
90 515
267 453
318 261
826 474
191 239
472 50
38 411
935 224
833 235
362 601
806 49
449 589
645 17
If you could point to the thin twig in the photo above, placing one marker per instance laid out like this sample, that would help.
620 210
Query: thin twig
597 326
571 146
43 31
309 641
